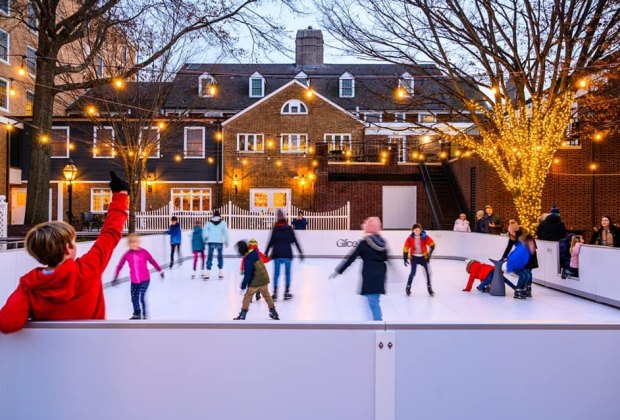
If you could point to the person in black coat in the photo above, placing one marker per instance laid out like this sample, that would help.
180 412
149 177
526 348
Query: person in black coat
282 238
552 228
606 234
373 252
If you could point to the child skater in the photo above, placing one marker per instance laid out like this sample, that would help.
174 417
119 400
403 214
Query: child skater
66 288
175 238
575 247
198 249
482 272
253 244
139 274
418 250
517 262
255 279
373 252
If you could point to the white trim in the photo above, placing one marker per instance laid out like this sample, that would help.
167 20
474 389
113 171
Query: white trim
292 82
59 127
91 199
49 205
95 129
189 198
373 113
346 143
211 79
185 129
346 76
98 66
106 182
288 137
421 116
255 136
256 76
28 47
407 82
8 94
59 203
36 20
291 103
26 101
158 141
270 191
8 48
303 78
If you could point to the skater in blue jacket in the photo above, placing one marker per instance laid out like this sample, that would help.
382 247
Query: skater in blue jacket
175 238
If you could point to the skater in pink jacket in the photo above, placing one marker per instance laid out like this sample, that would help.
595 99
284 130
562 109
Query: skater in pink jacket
139 274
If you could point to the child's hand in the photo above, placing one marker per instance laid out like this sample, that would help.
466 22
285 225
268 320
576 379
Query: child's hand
117 184
115 282
161 274
333 275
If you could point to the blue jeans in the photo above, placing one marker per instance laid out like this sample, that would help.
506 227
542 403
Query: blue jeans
489 279
522 282
220 256
138 290
287 271
530 277
375 307
415 261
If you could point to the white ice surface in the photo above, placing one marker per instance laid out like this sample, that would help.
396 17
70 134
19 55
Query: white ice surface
316 298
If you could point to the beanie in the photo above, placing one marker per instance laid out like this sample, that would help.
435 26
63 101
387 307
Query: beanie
372 225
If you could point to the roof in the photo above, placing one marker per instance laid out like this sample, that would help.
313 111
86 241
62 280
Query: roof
375 85
134 95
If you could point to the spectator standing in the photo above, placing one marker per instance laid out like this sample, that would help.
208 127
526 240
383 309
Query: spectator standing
606 234
300 222
462 224
481 225
493 220
552 228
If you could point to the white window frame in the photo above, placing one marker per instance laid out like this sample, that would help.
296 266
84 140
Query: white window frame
210 80
401 143
176 192
101 191
185 130
300 139
407 82
7 12
402 119
245 142
346 76
426 114
95 130
124 56
303 78
8 96
60 127
380 114
271 191
31 14
291 103
256 76
331 143
158 141
8 48
34 50
99 66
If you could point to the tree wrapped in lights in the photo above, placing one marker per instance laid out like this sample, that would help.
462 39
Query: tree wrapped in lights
509 66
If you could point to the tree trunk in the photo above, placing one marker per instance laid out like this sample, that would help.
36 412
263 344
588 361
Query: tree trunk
134 177
37 200
529 208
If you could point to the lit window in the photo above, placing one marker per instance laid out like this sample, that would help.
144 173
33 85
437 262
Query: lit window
347 86
149 141
204 85
400 117
5 46
29 102
427 119
59 143
103 142
4 94
257 85
31 60
406 82
194 199
268 200
294 106
100 199
294 143
194 142
337 142
250 143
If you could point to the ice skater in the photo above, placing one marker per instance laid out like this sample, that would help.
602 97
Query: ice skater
198 248
253 245
174 230
418 250
517 261
255 279
137 258
216 237
373 252
482 272
516 233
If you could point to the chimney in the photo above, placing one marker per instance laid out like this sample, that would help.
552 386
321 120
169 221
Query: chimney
309 47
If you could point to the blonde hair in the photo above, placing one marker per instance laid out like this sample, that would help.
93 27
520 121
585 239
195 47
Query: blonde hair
574 240
47 242
479 213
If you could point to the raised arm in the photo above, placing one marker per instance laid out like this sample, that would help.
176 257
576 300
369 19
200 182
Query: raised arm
14 314
349 258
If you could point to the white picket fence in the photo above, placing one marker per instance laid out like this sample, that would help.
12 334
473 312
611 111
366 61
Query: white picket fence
238 218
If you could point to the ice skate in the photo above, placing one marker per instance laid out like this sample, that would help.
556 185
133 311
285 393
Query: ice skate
273 314
520 294
136 315
408 290
287 295
221 274
275 294
206 274
430 291
241 316
528 291
194 274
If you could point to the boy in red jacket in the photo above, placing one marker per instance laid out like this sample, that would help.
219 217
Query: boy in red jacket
66 288
484 273
418 250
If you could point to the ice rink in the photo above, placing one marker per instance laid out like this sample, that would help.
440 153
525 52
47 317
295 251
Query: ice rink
316 298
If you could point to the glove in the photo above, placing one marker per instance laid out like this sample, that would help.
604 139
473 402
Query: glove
406 259
115 282
161 274
405 262
301 257
117 184
333 275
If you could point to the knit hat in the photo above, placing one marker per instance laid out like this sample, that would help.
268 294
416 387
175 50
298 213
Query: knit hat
555 210
252 243
280 215
372 225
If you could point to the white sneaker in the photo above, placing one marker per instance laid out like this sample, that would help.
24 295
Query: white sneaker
221 275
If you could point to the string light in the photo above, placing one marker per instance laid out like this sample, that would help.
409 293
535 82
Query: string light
583 83
22 69
71 146
315 163
119 83
161 125
91 110
210 160
598 137
311 176
244 162
278 163
218 135
309 93
556 161
212 89
593 166
178 158
43 139
443 155
11 88
400 92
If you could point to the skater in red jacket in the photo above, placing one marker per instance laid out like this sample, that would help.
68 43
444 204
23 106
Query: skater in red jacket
484 273
67 288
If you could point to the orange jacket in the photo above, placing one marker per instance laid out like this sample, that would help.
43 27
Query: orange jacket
425 241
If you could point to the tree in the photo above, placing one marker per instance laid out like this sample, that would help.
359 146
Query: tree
523 58
81 45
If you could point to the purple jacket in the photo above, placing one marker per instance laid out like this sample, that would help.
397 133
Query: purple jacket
138 270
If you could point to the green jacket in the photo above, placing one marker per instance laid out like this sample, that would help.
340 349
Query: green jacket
255 273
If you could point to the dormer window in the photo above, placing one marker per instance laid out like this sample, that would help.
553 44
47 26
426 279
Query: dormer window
294 107
347 86
257 85
303 78
206 86
406 82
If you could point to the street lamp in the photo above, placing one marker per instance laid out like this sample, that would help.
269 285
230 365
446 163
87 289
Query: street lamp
70 172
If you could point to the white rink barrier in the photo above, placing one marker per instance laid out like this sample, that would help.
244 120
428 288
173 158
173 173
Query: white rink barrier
598 265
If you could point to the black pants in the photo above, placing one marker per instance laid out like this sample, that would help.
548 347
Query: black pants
172 248
138 290
415 261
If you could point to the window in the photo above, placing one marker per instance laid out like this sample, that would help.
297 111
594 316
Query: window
338 142
5 6
29 102
427 119
293 107
125 56
402 147
250 143
294 143
149 139
406 82
204 86
5 46
31 18
400 117
373 117
194 142
302 77
59 142
194 199
257 85
267 200
99 66
347 86
100 199
103 142
31 60
4 94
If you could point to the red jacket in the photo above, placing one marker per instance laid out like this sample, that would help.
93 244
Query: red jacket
74 289
425 242
479 271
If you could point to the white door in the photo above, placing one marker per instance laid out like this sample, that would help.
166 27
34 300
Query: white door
399 207
18 205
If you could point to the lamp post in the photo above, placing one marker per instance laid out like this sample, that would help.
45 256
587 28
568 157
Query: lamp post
70 172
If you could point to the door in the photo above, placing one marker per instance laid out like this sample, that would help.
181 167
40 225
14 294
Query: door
399 207
18 205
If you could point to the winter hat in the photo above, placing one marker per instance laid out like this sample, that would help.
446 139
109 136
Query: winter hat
242 247
468 264
555 210
280 215
372 225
